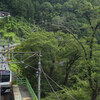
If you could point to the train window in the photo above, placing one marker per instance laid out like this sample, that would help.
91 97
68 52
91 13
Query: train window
4 76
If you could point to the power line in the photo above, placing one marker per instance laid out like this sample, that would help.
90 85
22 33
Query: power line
50 85
59 85
46 79
31 66
29 57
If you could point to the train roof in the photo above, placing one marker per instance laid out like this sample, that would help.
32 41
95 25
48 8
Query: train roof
4 66
3 63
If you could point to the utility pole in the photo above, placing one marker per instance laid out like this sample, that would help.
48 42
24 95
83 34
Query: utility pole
8 49
39 76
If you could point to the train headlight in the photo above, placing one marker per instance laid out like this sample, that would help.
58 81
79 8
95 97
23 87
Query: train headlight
10 83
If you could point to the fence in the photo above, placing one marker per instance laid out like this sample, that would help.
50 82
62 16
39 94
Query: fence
26 82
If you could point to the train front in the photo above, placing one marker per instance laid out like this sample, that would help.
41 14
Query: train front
5 80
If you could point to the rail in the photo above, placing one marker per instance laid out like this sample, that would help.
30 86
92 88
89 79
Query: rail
34 97
21 80
26 82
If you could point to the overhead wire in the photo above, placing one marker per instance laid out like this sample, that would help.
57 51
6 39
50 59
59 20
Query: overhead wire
45 77
28 64
50 85
29 57
59 85
53 82
31 66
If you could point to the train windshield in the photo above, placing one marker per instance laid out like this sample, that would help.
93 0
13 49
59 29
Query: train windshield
4 76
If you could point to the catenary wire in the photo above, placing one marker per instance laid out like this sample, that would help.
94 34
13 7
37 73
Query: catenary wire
50 85
31 66
59 86
30 56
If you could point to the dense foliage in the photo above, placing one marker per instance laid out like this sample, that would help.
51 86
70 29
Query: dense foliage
16 28
69 41
47 13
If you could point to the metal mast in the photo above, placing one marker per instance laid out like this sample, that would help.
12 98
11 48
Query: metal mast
39 77
8 49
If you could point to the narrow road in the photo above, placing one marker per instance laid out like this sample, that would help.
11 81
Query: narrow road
25 93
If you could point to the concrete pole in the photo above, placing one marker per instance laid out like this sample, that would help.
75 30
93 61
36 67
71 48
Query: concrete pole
39 77
8 48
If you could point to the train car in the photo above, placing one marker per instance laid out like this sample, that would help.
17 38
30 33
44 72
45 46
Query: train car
5 76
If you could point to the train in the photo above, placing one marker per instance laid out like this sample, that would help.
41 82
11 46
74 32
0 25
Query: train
5 72
5 75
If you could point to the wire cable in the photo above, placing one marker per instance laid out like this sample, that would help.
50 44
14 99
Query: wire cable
59 86
50 85
29 57
31 66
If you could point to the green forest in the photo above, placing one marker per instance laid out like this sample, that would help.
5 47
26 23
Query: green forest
66 32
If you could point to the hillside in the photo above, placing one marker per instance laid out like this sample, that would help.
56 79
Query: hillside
46 13
17 28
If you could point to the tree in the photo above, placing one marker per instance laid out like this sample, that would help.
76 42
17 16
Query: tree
68 54
58 8
89 13
46 12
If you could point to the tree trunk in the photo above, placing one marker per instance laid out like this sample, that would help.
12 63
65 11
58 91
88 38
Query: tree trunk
52 68
51 71
66 77
69 66
67 73
94 95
